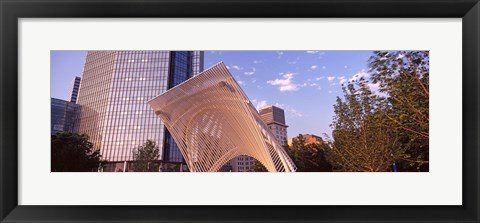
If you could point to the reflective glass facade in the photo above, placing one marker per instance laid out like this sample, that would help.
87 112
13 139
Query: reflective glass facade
183 66
63 116
114 91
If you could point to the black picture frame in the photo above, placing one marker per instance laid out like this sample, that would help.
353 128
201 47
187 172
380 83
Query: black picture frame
11 11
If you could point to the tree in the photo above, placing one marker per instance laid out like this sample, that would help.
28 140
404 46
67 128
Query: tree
362 140
373 130
308 157
403 76
145 157
72 152
259 167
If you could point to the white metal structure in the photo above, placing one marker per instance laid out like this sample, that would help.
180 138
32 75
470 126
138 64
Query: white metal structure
212 122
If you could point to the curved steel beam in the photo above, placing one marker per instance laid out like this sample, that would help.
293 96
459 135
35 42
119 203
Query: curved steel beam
212 121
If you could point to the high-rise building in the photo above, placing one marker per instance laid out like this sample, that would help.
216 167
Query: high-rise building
74 88
113 95
274 117
63 116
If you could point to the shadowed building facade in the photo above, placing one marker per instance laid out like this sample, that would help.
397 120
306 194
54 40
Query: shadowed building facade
213 121
64 116
113 95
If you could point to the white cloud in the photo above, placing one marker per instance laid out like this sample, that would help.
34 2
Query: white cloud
290 87
237 67
359 75
294 113
257 61
324 67
259 104
342 80
285 84
312 51
320 78
254 80
241 83
345 66
313 84
374 87
330 78
279 53
313 67
250 73
290 112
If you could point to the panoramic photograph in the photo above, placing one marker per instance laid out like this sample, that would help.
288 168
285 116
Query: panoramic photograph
239 111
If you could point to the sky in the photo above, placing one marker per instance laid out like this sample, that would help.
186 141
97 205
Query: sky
304 83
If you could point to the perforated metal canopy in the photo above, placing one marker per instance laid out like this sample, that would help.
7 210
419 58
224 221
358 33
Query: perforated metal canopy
213 121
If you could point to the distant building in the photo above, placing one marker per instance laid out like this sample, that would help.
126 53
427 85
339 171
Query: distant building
64 116
75 87
274 117
241 163
309 139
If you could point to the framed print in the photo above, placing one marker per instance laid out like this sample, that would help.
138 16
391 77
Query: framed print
336 94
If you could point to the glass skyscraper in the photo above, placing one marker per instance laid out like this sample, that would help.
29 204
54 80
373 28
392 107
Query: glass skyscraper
63 116
113 95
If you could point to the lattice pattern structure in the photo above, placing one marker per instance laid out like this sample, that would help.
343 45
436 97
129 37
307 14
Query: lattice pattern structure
212 121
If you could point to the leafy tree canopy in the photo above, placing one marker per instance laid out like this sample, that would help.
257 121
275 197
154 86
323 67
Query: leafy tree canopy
374 130
404 77
308 157
146 157
72 152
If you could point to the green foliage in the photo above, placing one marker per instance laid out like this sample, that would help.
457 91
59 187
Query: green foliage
146 157
373 130
362 141
404 77
72 152
308 157
170 167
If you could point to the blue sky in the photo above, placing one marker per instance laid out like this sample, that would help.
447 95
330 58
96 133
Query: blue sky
304 83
